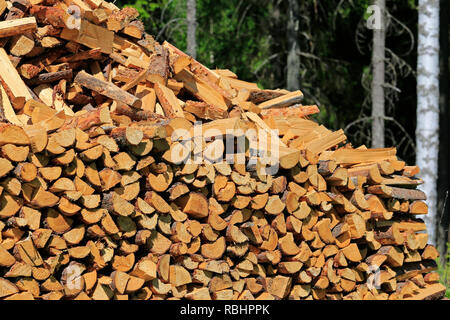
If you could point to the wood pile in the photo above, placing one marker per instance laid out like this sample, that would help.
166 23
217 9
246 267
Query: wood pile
95 202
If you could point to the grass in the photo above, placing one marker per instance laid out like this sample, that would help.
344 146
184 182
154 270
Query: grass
444 270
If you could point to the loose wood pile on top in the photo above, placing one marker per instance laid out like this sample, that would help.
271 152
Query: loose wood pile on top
93 204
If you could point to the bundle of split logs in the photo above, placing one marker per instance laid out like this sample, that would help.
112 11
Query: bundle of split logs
98 198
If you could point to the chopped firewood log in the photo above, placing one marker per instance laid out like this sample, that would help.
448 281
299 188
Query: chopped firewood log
15 27
283 101
293 111
105 88
21 45
168 101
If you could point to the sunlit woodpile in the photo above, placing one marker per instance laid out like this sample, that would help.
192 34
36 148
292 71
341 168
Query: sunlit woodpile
129 170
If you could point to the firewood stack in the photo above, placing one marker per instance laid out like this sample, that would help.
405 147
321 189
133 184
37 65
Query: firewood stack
98 200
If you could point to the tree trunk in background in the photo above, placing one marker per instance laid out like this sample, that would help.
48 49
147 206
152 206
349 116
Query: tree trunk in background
378 68
191 28
444 145
293 59
427 130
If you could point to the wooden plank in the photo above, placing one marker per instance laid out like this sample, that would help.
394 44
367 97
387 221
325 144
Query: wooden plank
16 27
283 101
11 79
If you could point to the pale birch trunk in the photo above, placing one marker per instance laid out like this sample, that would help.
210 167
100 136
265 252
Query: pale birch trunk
293 59
378 77
191 20
444 142
427 131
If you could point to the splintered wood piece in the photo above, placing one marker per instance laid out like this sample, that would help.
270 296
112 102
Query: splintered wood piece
297 111
105 88
169 101
201 89
204 110
87 120
356 156
410 171
327 141
283 101
119 19
6 109
13 84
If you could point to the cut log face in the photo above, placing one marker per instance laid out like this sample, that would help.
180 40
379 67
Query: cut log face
111 190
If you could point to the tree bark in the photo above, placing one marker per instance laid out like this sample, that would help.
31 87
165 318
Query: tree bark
191 28
378 67
293 59
427 130
444 145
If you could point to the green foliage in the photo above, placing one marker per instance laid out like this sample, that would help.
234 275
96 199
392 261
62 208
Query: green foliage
444 270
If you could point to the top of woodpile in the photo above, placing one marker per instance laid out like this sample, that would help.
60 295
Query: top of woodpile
94 111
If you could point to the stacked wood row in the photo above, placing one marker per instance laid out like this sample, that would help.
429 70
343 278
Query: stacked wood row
96 203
